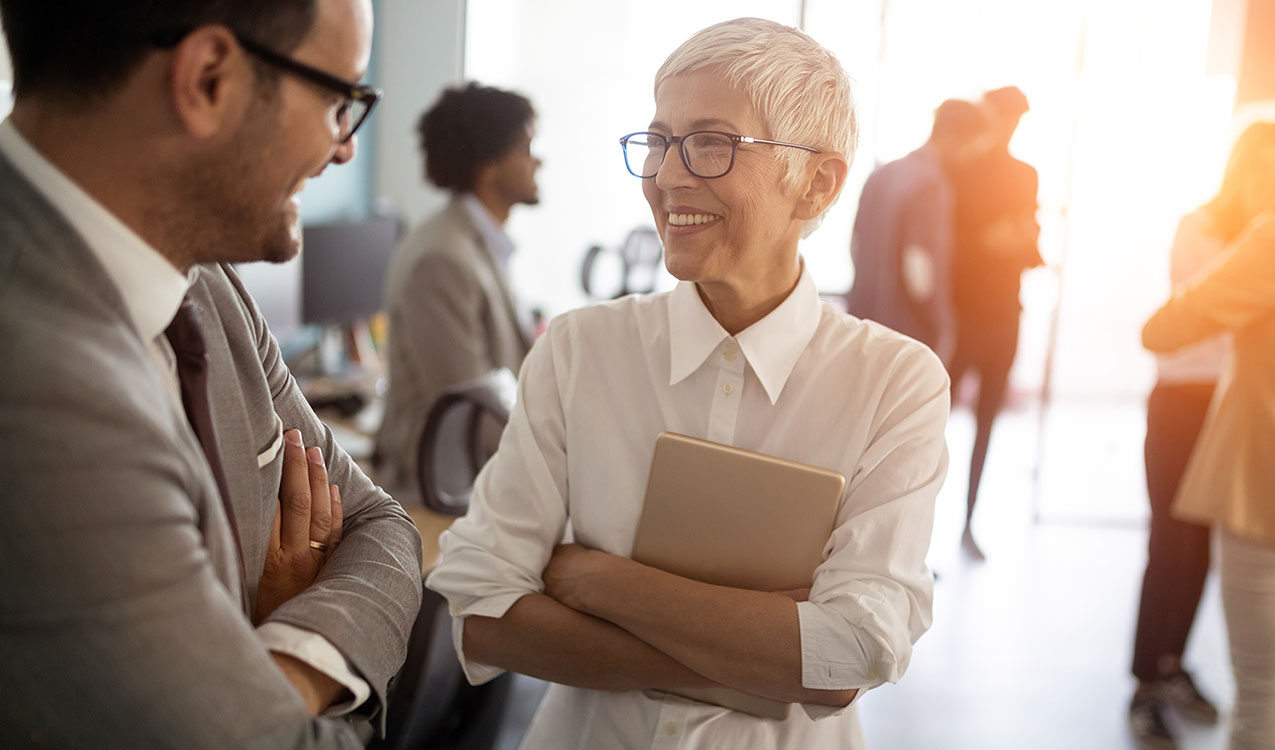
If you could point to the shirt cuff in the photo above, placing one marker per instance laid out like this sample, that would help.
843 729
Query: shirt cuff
318 652
826 663
816 711
494 606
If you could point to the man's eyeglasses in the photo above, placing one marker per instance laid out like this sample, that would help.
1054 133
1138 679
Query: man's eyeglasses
706 153
358 98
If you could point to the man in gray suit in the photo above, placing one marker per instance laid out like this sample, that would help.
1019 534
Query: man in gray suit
452 314
176 568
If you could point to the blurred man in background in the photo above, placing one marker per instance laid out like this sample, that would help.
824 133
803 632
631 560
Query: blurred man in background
994 242
453 316
902 241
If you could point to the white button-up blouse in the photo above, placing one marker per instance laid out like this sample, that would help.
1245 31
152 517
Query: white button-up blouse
806 383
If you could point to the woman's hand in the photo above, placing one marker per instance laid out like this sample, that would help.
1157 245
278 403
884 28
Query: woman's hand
797 595
574 571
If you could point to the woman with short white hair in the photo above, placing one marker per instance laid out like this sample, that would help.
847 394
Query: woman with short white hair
752 137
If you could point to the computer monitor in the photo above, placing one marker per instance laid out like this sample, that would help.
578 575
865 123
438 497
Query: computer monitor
343 267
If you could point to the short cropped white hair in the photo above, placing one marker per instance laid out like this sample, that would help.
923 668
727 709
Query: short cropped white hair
795 84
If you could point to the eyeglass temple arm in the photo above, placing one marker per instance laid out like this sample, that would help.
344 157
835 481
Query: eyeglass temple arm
749 139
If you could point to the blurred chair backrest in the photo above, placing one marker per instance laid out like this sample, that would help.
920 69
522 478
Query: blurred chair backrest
431 704
460 434
639 263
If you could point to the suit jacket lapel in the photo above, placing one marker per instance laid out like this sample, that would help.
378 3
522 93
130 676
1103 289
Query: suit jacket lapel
229 424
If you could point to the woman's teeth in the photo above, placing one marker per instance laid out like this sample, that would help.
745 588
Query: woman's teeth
685 220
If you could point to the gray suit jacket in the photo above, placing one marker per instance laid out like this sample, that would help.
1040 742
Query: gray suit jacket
452 318
122 619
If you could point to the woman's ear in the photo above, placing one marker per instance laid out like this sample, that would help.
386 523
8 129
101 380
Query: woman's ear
826 175
210 81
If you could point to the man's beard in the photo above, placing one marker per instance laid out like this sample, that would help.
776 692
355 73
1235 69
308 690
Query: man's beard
528 195
222 216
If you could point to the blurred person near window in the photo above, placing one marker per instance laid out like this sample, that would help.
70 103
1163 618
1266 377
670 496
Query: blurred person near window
1229 480
994 242
1178 551
901 246
749 146
452 314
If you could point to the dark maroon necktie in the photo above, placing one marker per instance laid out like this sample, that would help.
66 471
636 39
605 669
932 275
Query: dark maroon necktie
192 371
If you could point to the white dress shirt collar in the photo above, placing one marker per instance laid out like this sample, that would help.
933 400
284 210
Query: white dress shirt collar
494 237
771 346
151 288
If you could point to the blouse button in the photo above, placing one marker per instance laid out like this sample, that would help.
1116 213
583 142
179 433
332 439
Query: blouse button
728 389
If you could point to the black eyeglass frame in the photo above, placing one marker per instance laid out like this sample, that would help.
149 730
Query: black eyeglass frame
680 141
353 92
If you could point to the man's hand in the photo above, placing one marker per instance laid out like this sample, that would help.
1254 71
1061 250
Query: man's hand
317 689
307 526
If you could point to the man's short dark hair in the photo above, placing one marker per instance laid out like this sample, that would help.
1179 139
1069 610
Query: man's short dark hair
957 120
82 49
467 128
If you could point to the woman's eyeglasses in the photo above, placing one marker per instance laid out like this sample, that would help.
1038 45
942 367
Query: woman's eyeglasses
706 153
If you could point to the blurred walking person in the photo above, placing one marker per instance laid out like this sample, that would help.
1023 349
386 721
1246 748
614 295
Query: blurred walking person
994 243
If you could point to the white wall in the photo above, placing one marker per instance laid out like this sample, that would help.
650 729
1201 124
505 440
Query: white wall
421 52
6 72
6 76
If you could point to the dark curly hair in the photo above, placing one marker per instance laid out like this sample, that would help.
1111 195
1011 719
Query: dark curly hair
468 127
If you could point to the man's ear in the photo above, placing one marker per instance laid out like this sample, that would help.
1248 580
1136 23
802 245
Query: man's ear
826 174
210 81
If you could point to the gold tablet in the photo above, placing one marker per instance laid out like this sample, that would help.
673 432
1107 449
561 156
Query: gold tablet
731 517
724 515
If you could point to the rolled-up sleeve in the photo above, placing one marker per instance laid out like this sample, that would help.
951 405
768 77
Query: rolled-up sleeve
495 554
871 597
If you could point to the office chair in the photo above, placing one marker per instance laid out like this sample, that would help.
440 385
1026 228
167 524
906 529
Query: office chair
460 434
639 258
431 705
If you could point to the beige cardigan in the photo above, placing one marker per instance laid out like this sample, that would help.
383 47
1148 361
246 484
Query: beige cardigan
1230 478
